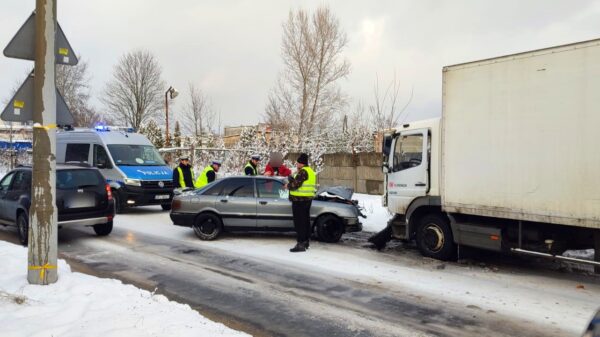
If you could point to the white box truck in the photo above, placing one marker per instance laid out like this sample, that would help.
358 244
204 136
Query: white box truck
512 165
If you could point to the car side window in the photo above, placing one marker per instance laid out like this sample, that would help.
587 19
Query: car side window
101 159
239 187
77 153
213 190
269 188
22 181
5 183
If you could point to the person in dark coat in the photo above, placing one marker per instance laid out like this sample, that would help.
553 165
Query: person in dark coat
183 176
303 188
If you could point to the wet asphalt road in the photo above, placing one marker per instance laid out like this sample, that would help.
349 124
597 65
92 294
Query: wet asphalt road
273 300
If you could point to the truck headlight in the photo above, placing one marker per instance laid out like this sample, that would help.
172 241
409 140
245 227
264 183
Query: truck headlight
133 182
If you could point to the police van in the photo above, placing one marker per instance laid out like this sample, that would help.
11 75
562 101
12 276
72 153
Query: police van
132 166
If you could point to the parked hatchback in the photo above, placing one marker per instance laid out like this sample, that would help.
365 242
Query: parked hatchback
82 198
258 204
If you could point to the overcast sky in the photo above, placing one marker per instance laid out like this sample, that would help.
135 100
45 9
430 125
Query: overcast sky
231 49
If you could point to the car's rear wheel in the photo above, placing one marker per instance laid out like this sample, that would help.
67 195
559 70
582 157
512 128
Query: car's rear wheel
23 228
103 229
166 207
329 228
207 226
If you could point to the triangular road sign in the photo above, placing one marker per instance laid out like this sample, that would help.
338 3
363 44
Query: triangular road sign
22 45
20 107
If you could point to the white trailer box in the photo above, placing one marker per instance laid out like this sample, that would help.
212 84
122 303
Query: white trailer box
521 136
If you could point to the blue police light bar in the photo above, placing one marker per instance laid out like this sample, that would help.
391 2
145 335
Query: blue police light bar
101 128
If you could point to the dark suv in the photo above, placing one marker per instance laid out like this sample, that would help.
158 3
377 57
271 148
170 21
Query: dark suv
83 198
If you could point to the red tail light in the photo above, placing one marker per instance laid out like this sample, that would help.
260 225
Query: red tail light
108 192
176 204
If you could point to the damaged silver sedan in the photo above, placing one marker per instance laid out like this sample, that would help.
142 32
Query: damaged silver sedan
261 204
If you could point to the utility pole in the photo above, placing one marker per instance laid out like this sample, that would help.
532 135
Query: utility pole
43 239
41 40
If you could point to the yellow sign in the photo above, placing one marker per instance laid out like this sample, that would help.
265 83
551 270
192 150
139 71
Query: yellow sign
18 104
63 51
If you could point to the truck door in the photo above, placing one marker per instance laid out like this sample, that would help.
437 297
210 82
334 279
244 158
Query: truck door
408 176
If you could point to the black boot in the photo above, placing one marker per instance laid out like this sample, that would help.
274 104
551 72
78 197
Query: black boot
300 247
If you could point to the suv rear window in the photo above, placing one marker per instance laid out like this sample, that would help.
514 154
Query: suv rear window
78 178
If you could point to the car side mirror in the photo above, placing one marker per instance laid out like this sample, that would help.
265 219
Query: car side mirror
385 168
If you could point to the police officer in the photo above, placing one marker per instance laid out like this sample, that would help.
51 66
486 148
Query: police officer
183 175
209 174
251 167
303 187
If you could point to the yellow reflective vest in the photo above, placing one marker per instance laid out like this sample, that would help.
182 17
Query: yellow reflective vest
252 167
181 179
203 178
308 187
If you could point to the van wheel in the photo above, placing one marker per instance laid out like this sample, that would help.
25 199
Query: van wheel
434 238
207 226
23 228
166 207
103 229
329 228
118 203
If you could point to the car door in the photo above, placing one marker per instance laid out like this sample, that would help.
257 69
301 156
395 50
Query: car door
20 185
237 203
273 209
4 186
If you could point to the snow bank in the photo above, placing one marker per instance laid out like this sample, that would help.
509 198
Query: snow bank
377 215
82 305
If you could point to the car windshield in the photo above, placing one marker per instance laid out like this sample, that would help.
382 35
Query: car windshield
71 179
135 155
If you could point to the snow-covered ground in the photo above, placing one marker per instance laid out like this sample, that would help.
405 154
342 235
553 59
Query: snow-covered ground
81 305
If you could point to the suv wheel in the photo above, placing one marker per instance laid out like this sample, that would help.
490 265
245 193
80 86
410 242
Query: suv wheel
207 226
329 228
103 229
23 228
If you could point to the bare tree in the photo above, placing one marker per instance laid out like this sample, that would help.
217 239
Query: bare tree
306 95
72 83
134 94
385 111
198 115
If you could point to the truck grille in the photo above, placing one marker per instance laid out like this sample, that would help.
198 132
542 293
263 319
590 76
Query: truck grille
154 183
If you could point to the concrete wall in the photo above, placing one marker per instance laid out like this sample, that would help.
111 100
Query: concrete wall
361 171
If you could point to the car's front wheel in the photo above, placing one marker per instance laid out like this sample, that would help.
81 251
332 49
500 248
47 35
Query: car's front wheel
23 228
207 226
103 229
329 228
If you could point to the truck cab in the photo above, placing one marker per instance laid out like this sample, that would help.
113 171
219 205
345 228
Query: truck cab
132 166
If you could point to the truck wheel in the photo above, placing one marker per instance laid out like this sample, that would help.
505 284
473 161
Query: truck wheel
103 229
329 228
434 238
23 228
166 207
207 226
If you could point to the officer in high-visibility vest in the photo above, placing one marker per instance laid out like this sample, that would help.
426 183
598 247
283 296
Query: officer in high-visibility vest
303 188
183 175
251 168
208 175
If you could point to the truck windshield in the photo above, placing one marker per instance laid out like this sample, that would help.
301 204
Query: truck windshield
135 155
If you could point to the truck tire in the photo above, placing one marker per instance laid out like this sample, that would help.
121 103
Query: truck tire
329 228
103 229
207 226
23 228
434 237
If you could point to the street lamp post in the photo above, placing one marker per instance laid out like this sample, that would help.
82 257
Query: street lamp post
172 93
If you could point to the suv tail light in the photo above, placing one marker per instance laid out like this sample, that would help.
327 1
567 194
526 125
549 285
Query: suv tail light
108 192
